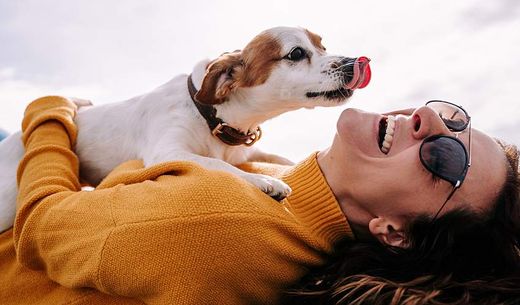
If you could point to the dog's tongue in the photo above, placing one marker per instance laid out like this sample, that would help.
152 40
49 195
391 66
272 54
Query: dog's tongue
362 74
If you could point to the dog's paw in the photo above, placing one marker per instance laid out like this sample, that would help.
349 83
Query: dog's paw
273 187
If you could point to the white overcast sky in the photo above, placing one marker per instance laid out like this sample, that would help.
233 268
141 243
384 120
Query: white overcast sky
465 51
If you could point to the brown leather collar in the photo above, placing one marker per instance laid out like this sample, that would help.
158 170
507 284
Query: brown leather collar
218 127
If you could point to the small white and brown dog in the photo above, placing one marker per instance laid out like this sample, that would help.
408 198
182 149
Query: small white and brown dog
211 117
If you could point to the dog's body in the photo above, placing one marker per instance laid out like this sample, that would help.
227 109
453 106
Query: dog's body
248 87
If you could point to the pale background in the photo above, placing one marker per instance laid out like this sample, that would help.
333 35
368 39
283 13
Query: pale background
463 51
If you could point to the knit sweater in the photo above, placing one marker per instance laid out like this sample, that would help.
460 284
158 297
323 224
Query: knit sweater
172 233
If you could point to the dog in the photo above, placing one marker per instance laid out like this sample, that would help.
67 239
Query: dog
211 116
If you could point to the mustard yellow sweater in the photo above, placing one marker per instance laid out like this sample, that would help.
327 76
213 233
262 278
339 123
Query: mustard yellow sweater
173 233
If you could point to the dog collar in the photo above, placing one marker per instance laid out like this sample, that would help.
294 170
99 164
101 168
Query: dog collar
218 127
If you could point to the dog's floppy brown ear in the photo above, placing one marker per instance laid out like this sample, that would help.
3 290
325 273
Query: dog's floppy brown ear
220 79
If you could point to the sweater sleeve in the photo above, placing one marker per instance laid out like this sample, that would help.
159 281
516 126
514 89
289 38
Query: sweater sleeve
47 177
172 233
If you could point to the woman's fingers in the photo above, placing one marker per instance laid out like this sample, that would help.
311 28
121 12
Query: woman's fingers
79 102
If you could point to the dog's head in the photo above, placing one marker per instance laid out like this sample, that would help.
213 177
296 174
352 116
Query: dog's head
286 67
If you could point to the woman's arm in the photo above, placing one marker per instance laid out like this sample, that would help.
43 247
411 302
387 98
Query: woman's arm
171 233
47 176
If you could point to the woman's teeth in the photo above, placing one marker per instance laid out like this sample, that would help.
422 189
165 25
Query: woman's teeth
389 135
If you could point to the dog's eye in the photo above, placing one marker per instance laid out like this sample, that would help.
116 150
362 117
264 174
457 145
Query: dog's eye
296 54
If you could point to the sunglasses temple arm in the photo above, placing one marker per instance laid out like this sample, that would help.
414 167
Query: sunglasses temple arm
469 162
447 199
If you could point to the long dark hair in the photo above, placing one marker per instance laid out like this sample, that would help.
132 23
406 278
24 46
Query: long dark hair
464 257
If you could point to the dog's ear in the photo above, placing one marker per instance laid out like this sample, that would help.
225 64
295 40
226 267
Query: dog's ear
221 78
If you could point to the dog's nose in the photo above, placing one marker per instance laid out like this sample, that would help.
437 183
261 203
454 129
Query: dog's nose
356 71
344 64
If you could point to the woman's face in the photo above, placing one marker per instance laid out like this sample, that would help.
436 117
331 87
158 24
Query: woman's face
372 185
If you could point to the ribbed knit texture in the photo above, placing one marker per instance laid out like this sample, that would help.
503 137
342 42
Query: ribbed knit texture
173 233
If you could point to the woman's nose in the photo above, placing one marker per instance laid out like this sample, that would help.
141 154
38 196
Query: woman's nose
427 122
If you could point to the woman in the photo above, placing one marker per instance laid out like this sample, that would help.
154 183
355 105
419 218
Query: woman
176 233
463 251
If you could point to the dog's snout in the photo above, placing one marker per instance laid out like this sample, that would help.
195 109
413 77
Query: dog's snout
344 64
354 72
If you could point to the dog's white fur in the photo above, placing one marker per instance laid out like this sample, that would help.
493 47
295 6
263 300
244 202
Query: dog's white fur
164 125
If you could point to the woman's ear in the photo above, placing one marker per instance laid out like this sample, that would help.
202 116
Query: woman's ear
388 232
221 79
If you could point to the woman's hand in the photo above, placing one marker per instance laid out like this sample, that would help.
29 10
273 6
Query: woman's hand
56 108
79 102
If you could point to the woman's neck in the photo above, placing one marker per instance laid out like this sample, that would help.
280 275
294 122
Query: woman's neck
357 215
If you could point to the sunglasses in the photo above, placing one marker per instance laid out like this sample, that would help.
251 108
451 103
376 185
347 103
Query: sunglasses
446 156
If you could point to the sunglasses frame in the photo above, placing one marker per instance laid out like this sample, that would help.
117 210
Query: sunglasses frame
452 104
458 183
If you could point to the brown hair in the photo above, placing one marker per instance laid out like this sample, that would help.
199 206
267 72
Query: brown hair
463 257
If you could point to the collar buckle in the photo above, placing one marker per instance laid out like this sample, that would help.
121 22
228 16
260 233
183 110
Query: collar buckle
218 129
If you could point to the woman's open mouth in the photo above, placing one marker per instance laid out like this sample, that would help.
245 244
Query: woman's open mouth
386 133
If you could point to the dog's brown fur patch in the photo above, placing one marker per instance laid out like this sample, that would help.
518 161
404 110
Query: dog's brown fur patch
259 58
315 40
247 68
211 92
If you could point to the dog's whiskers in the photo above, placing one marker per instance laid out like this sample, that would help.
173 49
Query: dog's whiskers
341 66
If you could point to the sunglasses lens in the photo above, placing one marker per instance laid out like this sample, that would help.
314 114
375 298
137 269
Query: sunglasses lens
453 116
445 157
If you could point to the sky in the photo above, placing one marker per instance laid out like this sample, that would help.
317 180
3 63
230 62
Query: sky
464 51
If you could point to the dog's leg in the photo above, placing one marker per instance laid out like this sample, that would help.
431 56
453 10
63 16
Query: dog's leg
261 156
11 152
269 185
